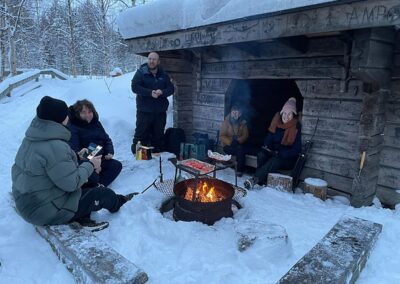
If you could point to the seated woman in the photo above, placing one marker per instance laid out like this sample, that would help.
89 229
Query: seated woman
86 128
282 145
233 135
47 178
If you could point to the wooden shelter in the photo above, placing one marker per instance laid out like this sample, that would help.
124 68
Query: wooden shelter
343 59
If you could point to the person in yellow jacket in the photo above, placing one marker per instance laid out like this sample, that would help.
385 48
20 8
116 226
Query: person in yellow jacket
233 135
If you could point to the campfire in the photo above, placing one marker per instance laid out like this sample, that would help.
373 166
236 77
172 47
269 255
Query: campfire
212 200
204 193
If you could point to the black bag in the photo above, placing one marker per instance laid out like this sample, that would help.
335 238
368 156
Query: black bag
173 138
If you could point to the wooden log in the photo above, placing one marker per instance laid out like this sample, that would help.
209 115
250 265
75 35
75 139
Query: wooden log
316 187
339 257
280 182
89 259
338 183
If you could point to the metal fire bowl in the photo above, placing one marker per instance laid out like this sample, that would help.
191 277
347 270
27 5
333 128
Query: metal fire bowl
226 189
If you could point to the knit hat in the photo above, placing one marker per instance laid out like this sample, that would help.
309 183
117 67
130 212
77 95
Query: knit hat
52 109
290 106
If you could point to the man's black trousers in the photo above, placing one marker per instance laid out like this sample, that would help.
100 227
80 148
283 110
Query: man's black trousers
150 129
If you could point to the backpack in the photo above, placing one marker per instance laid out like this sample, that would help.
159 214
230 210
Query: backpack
173 138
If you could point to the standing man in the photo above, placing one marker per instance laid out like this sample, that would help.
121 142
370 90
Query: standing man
152 87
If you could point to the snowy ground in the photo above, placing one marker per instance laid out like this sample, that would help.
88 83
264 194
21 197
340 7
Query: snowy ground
172 252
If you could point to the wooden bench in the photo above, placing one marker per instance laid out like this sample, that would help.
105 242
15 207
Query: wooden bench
339 257
89 259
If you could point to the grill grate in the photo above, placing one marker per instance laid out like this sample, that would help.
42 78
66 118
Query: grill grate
167 188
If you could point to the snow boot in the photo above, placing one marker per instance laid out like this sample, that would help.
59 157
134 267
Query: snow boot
250 183
92 225
128 197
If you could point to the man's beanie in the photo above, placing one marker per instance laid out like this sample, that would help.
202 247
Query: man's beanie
290 106
52 109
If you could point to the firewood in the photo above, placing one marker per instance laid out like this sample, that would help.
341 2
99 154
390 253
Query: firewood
280 182
316 187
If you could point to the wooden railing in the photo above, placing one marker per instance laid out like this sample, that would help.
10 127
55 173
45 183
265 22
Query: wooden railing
33 75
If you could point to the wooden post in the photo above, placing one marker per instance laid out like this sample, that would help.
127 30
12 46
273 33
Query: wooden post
280 182
316 187
371 61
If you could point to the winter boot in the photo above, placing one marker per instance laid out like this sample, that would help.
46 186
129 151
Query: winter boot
92 225
250 183
128 197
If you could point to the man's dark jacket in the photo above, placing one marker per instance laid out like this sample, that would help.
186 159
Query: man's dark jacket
84 133
144 82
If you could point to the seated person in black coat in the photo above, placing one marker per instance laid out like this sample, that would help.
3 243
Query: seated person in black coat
86 128
282 145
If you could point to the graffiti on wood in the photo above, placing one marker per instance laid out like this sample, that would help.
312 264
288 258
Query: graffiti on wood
363 14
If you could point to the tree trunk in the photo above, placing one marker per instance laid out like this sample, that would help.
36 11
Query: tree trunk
13 62
72 40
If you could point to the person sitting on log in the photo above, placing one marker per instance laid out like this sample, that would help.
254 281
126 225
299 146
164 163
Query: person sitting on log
233 135
47 178
86 128
282 145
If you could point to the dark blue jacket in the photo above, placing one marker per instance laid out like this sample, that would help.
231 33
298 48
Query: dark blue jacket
84 133
273 142
144 82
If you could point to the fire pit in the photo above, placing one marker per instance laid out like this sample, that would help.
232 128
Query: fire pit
211 201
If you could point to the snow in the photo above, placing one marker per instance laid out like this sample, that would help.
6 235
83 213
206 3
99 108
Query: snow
183 14
168 251
316 182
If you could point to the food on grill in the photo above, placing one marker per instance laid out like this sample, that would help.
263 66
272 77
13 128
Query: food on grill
198 165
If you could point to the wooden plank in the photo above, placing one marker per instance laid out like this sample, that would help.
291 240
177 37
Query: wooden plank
176 65
89 259
216 100
390 157
271 50
209 112
204 124
392 134
388 196
315 67
334 147
393 112
394 95
182 79
215 85
332 108
339 256
330 89
337 128
330 164
363 14
389 177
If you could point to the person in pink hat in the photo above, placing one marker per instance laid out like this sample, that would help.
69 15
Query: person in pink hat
282 145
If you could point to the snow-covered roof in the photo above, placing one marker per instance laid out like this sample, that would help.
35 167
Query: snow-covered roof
171 15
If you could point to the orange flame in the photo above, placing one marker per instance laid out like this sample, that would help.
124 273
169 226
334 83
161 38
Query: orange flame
204 193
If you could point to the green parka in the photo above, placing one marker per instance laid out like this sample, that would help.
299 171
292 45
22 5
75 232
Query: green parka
46 177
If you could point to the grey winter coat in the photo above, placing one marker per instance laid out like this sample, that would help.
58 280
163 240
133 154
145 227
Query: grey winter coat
46 177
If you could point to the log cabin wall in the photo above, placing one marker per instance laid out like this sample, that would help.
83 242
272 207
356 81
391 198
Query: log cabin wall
332 96
389 172
180 66
318 66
